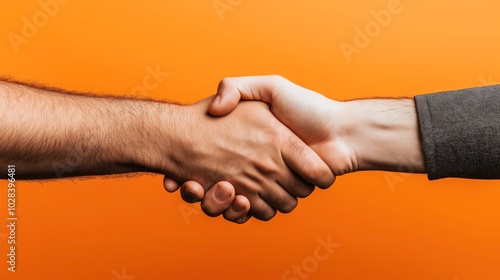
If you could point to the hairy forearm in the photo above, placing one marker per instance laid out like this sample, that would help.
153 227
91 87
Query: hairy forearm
50 134
384 134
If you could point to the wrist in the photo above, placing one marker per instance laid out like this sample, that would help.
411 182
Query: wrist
383 134
153 136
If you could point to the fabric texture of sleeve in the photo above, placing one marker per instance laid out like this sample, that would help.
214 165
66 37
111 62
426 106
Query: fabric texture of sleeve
460 133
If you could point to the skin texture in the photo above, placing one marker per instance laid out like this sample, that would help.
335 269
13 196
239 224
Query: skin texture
371 134
50 133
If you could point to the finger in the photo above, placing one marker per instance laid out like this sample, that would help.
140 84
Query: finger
192 192
231 90
218 198
170 185
294 184
303 160
260 209
278 198
244 219
238 209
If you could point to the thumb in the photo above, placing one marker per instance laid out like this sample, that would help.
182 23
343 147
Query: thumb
227 98
231 90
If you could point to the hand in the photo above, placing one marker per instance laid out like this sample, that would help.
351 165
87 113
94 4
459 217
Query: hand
316 119
372 134
251 150
308 114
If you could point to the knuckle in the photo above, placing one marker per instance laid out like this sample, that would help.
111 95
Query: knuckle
328 180
268 215
263 213
309 172
296 143
305 190
267 165
269 135
290 205
280 201
322 176
284 202
314 173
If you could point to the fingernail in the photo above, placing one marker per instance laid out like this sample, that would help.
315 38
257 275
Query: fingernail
237 207
221 194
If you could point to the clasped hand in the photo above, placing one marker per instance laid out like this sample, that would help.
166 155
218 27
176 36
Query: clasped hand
261 156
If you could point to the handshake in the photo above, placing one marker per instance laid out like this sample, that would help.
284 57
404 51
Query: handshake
252 150
263 142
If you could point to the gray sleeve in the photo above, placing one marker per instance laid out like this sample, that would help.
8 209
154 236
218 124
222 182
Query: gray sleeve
460 133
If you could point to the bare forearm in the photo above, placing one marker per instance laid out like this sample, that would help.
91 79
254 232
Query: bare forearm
384 134
49 134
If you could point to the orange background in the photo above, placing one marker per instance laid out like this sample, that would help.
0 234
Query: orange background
389 226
